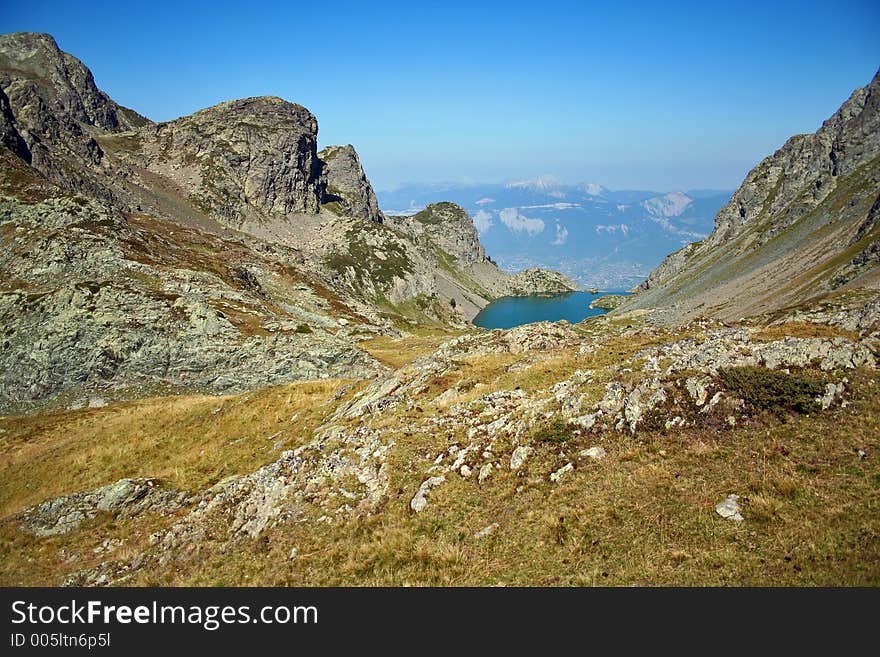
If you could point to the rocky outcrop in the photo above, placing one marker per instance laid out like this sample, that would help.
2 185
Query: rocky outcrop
537 281
348 191
124 498
451 229
798 227
59 111
92 301
49 85
242 162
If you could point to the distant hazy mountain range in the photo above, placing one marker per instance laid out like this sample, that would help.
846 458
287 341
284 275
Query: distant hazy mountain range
611 239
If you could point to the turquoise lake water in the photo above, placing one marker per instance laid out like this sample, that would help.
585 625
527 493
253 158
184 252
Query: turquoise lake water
514 311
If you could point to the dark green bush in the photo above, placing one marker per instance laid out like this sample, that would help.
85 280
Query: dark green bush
303 328
553 430
771 390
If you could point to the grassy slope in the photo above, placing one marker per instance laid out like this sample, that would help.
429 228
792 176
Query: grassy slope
643 515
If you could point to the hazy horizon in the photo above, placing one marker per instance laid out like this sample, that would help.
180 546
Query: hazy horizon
630 95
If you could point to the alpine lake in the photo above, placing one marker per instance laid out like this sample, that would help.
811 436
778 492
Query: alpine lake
508 312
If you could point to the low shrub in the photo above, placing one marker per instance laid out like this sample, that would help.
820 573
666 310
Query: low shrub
552 430
772 390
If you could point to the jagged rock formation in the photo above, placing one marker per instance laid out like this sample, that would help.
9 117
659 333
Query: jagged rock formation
59 111
802 225
241 162
536 281
216 252
452 230
348 192
56 86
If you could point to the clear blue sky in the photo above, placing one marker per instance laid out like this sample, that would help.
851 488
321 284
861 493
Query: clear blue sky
657 95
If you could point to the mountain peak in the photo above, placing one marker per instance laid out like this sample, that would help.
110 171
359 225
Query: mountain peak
36 74
804 223
593 189
541 183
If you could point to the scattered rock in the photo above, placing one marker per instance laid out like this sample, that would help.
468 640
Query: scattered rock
561 472
729 508
519 456
485 531
125 498
595 453
420 499
833 391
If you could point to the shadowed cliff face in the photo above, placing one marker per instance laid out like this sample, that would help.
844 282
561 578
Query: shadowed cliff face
347 189
800 226
241 161
58 111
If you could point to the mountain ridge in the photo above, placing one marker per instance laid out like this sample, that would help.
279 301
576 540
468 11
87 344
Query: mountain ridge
800 227
226 226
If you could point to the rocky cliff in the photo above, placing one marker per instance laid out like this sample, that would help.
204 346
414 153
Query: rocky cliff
348 191
59 111
801 227
216 252
241 162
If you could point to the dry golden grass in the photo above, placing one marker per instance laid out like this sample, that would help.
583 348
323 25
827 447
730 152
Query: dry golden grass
642 516
397 352
190 442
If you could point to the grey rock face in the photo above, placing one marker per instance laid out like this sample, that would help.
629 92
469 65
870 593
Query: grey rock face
347 184
536 281
58 111
32 64
126 497
241 161
9 135
81 313
450 227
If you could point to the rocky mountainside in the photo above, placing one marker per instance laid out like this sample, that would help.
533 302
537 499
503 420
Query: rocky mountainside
348 191
802 227
216 252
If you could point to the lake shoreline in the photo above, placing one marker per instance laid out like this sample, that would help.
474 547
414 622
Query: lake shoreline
509 312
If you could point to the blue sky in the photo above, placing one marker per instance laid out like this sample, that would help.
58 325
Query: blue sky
656 95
